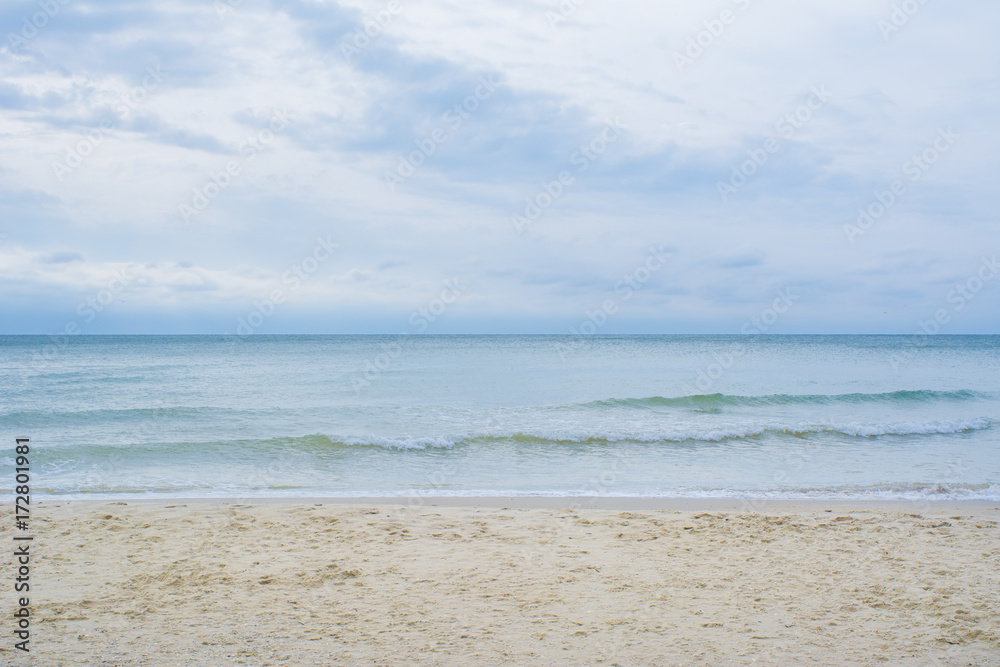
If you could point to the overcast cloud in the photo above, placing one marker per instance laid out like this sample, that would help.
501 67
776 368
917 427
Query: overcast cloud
175 167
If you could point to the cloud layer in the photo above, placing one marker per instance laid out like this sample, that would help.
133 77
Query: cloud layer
185 157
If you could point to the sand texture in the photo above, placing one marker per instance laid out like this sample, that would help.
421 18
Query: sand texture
337 584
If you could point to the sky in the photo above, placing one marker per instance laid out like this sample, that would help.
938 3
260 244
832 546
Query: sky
418 166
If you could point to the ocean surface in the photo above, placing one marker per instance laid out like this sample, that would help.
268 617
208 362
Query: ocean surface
667 416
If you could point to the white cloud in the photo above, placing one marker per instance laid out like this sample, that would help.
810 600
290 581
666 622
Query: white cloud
352 121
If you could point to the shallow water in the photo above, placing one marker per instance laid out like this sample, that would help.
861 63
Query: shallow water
748 416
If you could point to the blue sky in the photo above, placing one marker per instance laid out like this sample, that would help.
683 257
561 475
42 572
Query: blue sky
198 167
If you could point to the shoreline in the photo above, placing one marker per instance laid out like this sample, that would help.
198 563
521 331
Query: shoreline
608 503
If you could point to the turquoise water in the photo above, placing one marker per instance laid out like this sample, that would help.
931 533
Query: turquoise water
724 416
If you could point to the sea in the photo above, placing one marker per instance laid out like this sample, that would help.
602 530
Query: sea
692 416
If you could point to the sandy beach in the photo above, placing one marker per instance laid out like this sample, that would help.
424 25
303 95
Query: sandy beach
511 581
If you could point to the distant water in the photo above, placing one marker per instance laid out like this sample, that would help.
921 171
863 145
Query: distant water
724 416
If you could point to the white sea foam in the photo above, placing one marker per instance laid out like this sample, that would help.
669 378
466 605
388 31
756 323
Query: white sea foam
597 436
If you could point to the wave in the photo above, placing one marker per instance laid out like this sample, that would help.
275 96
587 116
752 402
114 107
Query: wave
318 442
749 499
751 431
699 402
926 428
720 400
